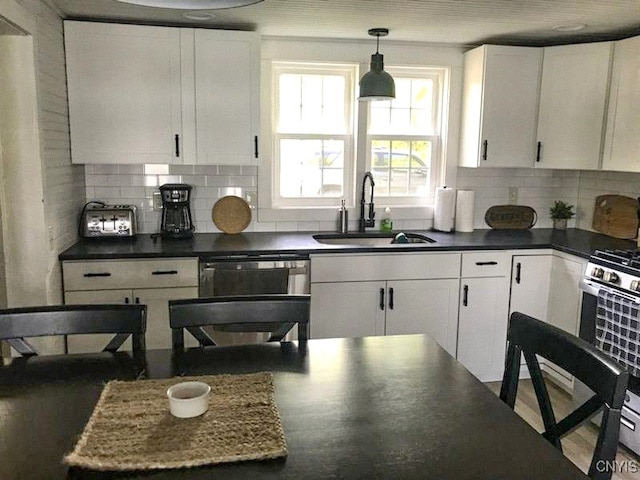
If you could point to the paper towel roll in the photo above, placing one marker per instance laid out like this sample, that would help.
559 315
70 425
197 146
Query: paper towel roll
464 210
444 211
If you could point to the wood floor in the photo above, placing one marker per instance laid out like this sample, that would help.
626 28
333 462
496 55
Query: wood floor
578 445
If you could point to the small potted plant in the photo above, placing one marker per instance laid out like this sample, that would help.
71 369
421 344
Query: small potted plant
560 213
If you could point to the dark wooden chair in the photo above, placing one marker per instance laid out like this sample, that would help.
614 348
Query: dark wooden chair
123 321
244 313
600 373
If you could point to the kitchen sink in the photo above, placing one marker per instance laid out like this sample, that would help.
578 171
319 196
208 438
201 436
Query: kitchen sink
371 239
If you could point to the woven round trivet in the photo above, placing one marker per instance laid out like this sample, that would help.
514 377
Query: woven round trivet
231 214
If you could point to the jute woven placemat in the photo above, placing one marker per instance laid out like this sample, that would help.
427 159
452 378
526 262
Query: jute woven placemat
131 427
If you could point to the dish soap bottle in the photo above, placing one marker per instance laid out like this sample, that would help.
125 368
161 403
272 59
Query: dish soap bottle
386 225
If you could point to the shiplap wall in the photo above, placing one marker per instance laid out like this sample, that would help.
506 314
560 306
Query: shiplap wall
63 183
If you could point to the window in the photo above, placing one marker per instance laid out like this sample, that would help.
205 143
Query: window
404 136
314 140
313 134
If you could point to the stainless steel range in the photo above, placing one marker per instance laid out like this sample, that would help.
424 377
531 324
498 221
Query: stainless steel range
610 319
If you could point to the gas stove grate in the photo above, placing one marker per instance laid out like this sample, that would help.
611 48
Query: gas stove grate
623 258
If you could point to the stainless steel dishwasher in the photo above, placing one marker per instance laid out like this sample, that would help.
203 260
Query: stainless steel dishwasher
249 275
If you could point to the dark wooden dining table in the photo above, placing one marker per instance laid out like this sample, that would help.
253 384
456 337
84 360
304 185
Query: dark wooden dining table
397 407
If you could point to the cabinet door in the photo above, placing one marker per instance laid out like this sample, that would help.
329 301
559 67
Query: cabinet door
500 106
227 88
157 301
530 285
95 342
564 304
424 306
482 326
124 92
347 309
572 105
622 142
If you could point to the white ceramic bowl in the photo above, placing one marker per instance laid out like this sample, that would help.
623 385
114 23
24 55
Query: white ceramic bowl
188 399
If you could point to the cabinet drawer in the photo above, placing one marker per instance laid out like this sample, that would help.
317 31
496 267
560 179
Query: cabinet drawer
117 274
486 264
390 266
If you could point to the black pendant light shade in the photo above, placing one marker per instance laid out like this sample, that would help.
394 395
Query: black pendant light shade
377 84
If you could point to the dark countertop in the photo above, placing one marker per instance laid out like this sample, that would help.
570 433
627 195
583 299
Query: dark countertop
577 242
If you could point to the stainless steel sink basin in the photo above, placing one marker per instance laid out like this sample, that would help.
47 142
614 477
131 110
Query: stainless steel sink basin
370 239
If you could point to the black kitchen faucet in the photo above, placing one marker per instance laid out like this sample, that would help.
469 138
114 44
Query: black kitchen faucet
370 220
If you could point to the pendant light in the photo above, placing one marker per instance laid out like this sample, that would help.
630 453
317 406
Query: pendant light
377 84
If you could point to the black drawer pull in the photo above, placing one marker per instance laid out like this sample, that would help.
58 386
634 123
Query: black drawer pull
165 272
518 272
483 264
465 295
105 274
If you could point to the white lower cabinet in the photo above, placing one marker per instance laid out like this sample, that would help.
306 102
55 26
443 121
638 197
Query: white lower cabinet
363 295
484 310
530 276
149 282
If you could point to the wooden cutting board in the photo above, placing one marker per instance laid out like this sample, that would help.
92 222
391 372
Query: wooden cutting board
616 216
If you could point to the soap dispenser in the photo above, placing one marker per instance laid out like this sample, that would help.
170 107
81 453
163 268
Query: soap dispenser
343 218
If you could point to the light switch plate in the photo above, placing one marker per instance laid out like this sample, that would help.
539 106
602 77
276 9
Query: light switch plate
157 202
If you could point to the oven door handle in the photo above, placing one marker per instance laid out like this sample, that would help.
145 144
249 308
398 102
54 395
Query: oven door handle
590 288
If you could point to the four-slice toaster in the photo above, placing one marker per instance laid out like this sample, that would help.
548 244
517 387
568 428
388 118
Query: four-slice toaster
104 221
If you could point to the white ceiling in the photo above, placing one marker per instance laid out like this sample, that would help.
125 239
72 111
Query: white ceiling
468 22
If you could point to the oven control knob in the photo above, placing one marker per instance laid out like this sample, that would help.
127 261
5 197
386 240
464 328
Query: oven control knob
610 277
635 285
597 272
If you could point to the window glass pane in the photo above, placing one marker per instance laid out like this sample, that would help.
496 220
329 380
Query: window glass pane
311 103
410 113
311 168
401 168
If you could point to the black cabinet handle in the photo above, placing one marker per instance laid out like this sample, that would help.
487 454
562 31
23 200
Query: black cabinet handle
518 272
137 300
105 274
465 295
255 146
165 272
126 300
177 145
538 152
483 264
382 299
391 299
485 147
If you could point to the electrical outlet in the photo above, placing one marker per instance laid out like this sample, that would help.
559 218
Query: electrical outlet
157 201
513 195
251 196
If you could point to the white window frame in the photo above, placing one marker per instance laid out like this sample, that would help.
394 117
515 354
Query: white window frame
440 75
349 72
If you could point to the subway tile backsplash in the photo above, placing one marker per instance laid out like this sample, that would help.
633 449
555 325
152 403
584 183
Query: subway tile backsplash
537 188
135 185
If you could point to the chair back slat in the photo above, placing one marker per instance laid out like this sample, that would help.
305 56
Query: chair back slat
123 321
247 313
605 377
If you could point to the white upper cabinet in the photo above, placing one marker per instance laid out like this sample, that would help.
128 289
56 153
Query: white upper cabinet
622 141
124 92
143 94
227 96
500 106
572 105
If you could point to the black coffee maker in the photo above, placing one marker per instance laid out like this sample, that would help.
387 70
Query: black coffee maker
176 213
